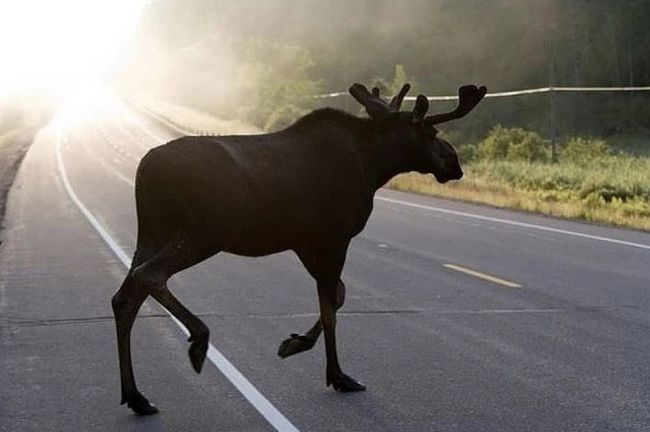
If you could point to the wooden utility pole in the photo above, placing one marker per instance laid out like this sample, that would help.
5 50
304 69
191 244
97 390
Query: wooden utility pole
552 121
551 103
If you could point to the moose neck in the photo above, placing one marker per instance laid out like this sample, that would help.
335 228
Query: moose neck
379 151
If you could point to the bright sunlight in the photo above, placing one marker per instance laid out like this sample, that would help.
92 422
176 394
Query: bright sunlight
60 45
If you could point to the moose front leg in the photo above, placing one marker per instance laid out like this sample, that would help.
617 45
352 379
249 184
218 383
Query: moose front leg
298 343
327 300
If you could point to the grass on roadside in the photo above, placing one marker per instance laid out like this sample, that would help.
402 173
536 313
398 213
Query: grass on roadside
513 168
614 190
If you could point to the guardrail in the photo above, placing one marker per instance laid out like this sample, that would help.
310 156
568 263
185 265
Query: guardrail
170 123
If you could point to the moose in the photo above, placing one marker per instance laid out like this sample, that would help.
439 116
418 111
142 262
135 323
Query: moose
308 188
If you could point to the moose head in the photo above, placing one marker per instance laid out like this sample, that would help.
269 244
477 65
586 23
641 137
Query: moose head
416 130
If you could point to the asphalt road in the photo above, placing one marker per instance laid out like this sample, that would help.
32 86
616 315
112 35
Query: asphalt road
458 317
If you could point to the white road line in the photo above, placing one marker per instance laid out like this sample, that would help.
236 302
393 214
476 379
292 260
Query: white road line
481 275
109 168
515 223
257 399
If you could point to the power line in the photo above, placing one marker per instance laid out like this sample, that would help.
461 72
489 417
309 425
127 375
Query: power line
513 92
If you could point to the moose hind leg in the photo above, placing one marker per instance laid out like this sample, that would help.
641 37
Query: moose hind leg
178 255
297 343
126 303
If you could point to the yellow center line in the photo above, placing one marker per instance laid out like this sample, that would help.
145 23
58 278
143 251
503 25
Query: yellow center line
483 276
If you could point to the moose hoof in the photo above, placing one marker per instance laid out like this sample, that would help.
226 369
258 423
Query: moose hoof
197 352
345 384
295 344
141 406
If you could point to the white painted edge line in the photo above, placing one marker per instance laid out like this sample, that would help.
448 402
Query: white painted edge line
257 399
515 223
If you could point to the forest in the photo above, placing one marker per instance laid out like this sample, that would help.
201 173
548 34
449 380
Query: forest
263 60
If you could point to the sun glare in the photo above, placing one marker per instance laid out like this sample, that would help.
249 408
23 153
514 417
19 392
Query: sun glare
60 45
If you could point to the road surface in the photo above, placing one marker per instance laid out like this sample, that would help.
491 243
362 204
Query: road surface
458 317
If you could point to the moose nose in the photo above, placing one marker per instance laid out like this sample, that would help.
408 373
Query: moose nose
458 174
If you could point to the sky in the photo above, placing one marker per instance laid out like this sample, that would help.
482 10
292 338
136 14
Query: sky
59 45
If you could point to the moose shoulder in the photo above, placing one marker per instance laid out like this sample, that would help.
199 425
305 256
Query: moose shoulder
308 188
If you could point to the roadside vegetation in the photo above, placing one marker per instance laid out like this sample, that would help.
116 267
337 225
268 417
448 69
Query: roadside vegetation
20 119
513 168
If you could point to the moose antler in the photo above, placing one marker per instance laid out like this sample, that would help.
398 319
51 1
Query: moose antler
468 97
375 106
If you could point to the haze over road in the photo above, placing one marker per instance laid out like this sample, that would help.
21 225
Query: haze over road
457 317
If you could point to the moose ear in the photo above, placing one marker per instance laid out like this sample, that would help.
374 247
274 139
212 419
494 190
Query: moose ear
421 107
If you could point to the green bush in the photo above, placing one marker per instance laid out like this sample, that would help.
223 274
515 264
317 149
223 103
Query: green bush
513 144
615 177
466 153
583 150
